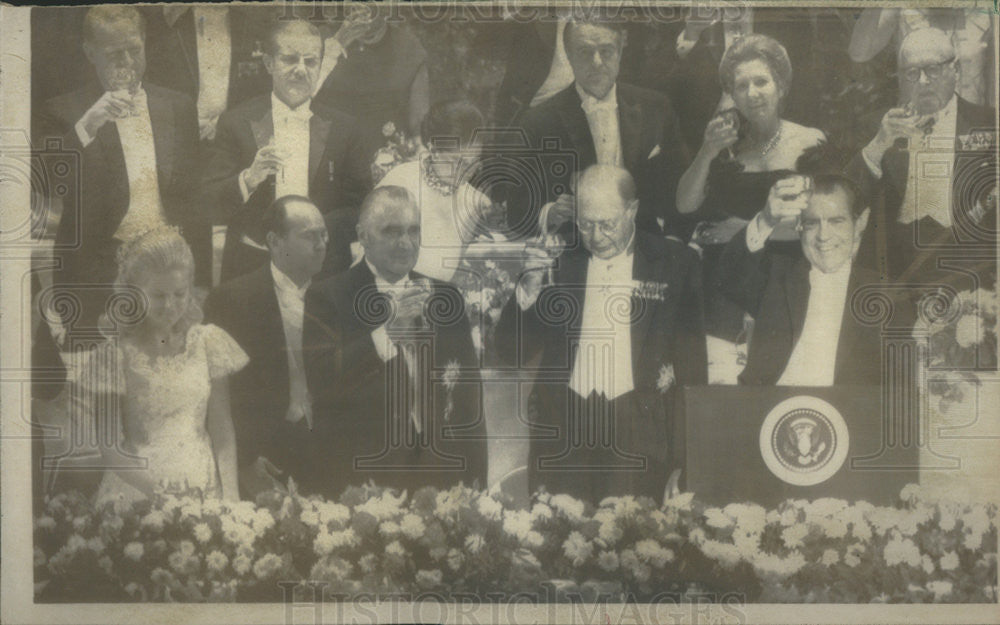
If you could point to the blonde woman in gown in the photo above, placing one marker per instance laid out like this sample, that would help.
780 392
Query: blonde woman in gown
157 387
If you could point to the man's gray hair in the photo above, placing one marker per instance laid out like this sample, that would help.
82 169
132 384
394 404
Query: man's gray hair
104 15
380 200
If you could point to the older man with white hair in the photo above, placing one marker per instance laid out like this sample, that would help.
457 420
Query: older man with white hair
390 363
619 325
926 169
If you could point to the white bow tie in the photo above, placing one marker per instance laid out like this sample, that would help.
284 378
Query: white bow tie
303 113
593 105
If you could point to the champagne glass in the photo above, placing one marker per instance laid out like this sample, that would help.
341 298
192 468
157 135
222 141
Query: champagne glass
126 80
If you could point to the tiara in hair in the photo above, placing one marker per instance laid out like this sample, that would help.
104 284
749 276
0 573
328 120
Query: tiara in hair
128 249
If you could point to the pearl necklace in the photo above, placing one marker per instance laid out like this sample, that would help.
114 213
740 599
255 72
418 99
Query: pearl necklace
433 180
773 141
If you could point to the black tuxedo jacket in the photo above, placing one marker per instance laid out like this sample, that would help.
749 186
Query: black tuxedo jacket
665 332
972 232
652 149
339 178
360 395
93 211
247 308
774 288
172 52
530 48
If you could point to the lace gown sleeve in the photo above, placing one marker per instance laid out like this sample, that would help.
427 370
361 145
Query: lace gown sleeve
224 354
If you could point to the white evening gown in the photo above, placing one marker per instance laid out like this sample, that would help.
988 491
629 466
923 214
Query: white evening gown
165 401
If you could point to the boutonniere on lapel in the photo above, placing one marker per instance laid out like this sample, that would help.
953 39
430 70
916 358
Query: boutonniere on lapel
977 140
450 378
649 290
666 380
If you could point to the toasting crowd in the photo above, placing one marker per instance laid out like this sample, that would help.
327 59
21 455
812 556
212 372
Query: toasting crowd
334 347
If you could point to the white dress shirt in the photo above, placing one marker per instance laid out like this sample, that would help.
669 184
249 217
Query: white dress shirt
602 117
603 363
387 349
291 136
291 302
929 175
135 132
560 71
813 360
214 50
814 357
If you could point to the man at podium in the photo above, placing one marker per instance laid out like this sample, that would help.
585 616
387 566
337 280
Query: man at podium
805 332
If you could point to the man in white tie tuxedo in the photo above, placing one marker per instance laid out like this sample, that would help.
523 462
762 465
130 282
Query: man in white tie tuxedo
606 122
137 145
619 325
924 171
276 144
382 343
263 310
806 332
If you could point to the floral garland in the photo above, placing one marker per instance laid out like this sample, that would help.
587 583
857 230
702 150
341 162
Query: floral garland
468 541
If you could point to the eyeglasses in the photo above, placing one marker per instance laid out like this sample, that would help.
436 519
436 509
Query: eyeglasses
606 227
933 71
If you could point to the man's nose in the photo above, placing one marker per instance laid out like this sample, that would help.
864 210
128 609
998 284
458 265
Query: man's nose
923 79
596 59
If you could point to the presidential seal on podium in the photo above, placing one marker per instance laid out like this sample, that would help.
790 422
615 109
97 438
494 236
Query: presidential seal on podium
804 440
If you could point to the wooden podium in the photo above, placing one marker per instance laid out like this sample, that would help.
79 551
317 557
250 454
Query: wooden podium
767 444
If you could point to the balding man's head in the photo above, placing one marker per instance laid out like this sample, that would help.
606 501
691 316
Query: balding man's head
606 208
114 41
928 71
389 231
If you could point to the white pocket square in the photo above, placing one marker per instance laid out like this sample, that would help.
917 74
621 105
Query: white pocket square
654 152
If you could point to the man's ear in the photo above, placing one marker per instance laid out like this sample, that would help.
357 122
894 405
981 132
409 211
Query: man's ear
632 208
268 63
88 52
272 239
362 235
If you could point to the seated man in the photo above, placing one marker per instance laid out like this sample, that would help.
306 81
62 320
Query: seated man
277 436
927 171
805 332
274 145
619 325
391 365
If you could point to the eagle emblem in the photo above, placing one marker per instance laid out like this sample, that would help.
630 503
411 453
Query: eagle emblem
804 440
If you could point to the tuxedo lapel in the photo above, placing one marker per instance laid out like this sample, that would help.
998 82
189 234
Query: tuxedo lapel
161 119
850 333
577 129
798 297
319 131
263 127
187 41
272 328
630 126
646 267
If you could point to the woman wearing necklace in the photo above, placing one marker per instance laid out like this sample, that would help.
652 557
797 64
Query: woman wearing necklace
745 151
439 179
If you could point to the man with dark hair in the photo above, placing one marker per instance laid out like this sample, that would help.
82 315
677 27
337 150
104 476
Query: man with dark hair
263 310
805 333
274 145
391 364
136 144
619 325
607 123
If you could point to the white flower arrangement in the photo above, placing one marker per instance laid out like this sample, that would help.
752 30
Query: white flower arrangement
378 540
